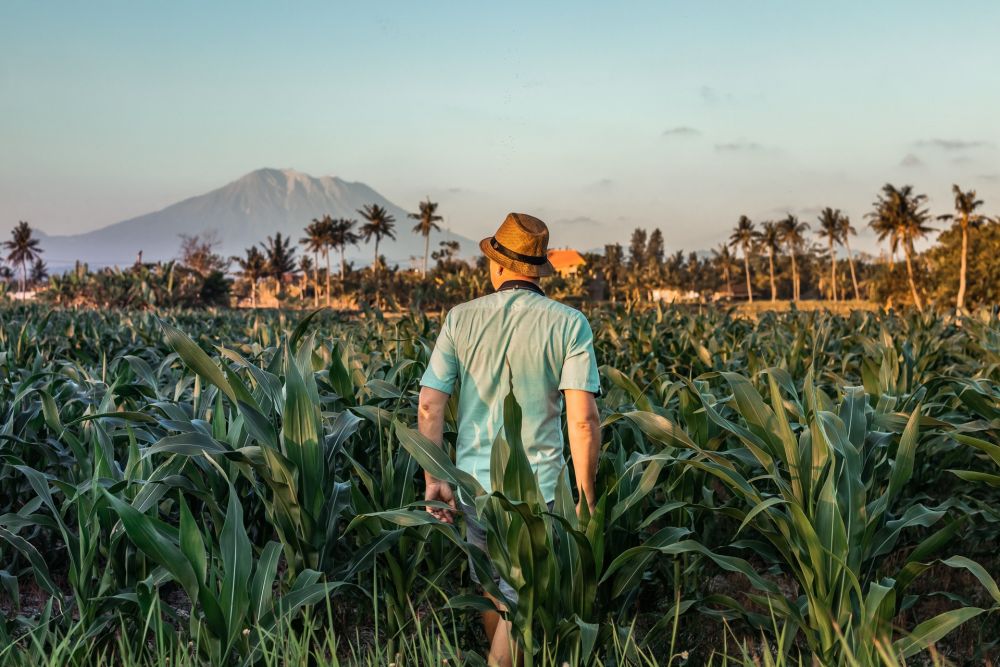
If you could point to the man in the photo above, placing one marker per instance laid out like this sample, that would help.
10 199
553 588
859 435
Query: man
515 339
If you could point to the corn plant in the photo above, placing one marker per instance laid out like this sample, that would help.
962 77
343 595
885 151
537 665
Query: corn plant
822 490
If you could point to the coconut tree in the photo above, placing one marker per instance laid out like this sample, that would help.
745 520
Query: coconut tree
280 257
901 217
253 267
342 234
744 235
39 272
315 241
770 239
830 230
428 220
965 217
724 262
793 235
846 232
327 233
380 225
22 249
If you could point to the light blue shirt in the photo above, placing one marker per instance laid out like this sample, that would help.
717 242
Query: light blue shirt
547 346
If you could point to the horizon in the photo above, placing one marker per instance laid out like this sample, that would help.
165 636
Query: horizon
684 118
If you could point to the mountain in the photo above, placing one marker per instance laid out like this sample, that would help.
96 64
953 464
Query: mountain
243 213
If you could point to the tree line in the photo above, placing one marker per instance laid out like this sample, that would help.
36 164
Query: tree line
777 257
785 258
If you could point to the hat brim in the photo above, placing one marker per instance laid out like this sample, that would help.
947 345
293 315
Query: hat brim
525 269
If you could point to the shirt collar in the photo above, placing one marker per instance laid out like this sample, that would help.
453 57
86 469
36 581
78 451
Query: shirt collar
520 284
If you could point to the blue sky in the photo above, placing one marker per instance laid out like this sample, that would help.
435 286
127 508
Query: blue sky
598 117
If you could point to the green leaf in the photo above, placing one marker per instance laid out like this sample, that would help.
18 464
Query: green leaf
263 580
197 360
191 542
902 465
979 572
157 540
237 555
934 629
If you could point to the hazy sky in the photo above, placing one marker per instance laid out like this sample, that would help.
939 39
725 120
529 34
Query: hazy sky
597 117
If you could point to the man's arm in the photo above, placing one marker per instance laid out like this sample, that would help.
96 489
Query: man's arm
430 423
584 425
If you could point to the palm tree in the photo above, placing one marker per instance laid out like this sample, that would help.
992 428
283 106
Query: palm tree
899 216
315 241
744 236
793 235
380 225
770 238
39 272
342 234
280 257
22 249
253 267
846 232
723 260
966 217
428 223
830 229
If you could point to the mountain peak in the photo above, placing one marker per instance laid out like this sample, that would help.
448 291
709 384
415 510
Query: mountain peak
243 213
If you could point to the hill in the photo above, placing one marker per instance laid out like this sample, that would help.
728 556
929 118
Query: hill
243 213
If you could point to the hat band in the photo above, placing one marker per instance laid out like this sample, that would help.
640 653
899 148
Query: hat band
511 254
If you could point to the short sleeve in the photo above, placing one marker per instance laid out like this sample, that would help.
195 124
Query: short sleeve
442 369
579 369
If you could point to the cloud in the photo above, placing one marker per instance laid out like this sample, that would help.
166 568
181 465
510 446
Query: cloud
578 221
740 147
711 96
682 131
992 178
602 185
911 160
962 159
456 191
953 144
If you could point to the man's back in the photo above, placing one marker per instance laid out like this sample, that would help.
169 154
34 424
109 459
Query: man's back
521 339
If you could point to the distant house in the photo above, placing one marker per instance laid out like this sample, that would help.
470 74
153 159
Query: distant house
566 261
671 295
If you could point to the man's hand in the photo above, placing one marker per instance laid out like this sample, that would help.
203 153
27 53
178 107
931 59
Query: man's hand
441 491
430 423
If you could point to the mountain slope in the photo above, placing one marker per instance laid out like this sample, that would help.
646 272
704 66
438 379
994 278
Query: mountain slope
243 213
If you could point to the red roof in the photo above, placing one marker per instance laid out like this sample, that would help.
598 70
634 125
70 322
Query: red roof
565 258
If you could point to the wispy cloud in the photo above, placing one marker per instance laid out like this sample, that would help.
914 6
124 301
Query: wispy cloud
740 147
991 178
910 160
578 221
601 185
682 131
711 96
953 144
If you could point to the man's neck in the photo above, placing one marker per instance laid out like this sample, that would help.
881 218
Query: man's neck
521 284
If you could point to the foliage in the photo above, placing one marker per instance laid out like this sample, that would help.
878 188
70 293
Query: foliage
784 482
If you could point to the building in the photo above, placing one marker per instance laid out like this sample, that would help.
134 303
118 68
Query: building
566 261
671 295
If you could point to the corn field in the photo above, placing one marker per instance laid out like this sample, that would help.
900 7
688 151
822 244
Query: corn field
243 489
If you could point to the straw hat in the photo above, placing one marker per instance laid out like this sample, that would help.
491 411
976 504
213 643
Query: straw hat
521 245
